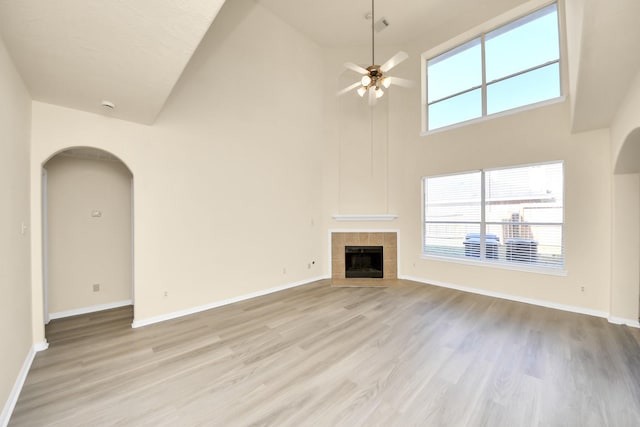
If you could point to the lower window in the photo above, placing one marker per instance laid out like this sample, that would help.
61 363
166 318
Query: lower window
509 215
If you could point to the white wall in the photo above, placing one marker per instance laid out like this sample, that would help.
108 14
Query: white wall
529 137
15 307
226 182
625 255
625 153
533 136
84 249
625 150
245 157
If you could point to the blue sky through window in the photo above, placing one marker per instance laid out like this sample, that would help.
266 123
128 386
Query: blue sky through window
518 47
455 71
523 44
524 89
456 109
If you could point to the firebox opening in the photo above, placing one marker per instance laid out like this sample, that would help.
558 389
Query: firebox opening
363 261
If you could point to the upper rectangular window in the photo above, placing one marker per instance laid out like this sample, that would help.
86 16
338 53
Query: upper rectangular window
512 215
515 65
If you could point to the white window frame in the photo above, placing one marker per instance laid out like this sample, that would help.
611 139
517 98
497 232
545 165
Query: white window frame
482 261
479 32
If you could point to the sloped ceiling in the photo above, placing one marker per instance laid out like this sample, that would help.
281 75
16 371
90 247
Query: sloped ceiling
338 23
608 61
77 53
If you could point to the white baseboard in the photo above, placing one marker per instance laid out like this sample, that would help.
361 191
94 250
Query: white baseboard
193 310
541 303
92 309
622 321
10 404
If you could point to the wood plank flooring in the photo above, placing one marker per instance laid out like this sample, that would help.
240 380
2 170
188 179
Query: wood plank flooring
316 355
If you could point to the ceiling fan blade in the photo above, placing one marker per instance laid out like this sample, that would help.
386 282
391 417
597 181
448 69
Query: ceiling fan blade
400 82
393 61
354 67
372 96
348 88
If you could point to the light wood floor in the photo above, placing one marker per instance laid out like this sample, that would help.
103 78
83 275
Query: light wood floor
317 355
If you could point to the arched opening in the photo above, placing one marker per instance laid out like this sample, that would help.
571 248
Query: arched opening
628 160
625 261
87 217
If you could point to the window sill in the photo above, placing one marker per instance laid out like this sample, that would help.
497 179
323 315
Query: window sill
537 105
550 271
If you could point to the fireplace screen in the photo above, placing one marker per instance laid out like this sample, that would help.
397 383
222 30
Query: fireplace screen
363 261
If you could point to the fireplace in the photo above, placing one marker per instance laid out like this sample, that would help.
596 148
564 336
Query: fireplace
340 240
363 261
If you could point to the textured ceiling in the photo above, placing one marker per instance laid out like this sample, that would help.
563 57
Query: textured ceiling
336 23
76 53
607 62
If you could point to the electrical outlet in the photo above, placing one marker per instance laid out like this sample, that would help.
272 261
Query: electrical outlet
583 289
284 270
166 293
309 266
96 287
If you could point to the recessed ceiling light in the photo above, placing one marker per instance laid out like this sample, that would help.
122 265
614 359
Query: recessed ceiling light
109 105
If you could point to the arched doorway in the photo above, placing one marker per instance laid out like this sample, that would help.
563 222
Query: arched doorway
625 295
87 217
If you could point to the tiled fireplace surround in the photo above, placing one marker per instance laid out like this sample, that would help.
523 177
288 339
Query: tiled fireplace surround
388 240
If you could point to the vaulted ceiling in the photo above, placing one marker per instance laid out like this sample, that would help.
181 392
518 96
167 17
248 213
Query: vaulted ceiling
77 53
608 60
338 23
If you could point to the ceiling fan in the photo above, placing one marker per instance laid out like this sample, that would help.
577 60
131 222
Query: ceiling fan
373 77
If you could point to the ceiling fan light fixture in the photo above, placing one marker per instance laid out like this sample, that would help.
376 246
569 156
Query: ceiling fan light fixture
373 78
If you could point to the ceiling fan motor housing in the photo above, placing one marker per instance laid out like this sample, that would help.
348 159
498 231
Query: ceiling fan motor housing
375 74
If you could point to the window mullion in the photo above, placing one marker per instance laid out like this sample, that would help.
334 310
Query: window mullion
528 70
484 76
471 89
483 231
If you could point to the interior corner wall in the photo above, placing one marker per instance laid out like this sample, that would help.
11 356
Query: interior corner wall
89 233
533 136
226 182
15 306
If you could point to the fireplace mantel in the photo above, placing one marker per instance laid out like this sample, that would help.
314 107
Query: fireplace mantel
365 217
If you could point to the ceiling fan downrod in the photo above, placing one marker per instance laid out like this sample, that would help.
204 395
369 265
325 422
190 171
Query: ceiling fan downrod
373 79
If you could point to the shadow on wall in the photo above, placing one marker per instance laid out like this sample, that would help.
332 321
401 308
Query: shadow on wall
629 156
